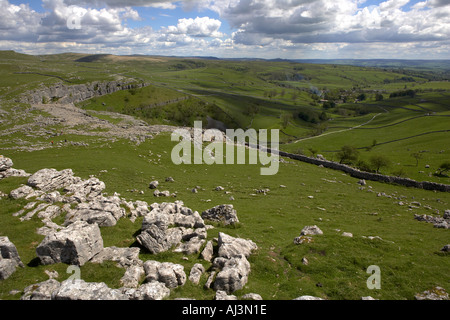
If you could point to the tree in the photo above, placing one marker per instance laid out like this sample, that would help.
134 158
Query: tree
348 154
379 161
417 156
444 167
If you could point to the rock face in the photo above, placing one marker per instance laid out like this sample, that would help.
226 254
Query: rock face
222 213
75 244
9 258
74 93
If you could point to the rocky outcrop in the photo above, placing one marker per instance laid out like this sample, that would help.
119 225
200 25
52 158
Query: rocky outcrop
170 223
438 222
74 245
41 291
63 93
52 179
222 213
9 258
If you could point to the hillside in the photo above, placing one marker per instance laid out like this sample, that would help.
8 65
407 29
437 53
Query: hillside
109 119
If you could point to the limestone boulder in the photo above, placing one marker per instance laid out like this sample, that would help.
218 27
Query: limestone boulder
51 179
74 245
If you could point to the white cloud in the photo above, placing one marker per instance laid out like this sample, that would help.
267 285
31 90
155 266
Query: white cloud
198 27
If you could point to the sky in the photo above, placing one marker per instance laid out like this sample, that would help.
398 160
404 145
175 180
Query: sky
288 29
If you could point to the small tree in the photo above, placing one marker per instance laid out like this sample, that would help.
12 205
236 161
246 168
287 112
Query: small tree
444 167
417 156
348 154
379 161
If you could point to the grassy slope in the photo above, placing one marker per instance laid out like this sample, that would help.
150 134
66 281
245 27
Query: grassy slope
408 255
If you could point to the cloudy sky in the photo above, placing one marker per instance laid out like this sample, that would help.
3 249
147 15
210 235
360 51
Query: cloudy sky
297 29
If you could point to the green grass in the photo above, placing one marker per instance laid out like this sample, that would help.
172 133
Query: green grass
408 254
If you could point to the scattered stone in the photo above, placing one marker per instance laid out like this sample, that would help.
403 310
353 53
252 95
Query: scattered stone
347 234
210 280
234 273
52 274
230 246
207 252
9 258
222 295
196 273
251 296
5 163
368 298
362 182
303 239
172 275
305 261
22 192
169 179
81 290
437 293
154 185
307 298
74 245
311 230
148 291
446 248
132 276
41 291
222 213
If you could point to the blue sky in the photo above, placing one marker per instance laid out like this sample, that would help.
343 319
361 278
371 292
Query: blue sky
403 29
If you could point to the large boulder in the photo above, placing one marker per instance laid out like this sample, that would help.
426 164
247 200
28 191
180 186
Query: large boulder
75 244
234 273
104 211
5 163
222 213
52 179
230 246
9 258
168 224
